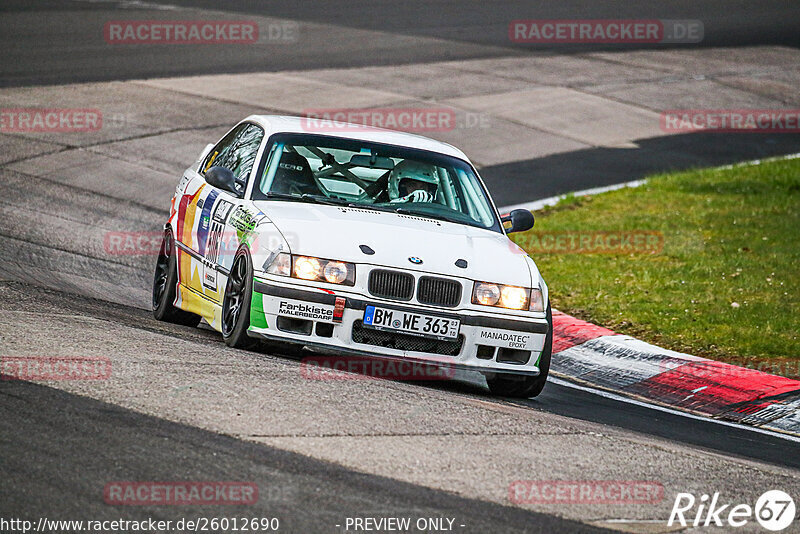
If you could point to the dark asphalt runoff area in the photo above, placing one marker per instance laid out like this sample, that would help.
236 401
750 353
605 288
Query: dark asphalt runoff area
60 41
59 451
730 440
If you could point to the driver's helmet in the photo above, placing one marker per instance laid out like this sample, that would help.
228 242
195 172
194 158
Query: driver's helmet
411 176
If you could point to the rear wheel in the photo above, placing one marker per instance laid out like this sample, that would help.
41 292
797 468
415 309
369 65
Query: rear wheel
528 386
165 282
236 303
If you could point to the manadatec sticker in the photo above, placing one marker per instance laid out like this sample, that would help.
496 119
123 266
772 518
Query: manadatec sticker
512 340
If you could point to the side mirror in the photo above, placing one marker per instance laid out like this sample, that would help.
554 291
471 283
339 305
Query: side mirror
222 178
520 220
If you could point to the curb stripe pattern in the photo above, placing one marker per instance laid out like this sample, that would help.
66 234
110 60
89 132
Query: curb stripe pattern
590 354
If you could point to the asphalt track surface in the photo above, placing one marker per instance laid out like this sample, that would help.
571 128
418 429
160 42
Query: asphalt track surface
59 446
53 469
59 42
55 41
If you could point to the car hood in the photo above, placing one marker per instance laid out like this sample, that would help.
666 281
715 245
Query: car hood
334 232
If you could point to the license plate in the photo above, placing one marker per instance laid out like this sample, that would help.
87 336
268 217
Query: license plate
411 323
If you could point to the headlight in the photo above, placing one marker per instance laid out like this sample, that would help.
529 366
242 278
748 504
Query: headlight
512 297
515 298
314 269
486 294
307 268
537 300
335 272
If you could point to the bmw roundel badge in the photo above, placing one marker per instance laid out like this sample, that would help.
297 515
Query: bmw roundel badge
415 260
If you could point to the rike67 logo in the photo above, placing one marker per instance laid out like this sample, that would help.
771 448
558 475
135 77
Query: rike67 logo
774 510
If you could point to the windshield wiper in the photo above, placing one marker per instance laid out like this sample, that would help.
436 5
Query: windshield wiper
389 209
334 201
331 201
403 211
282 196
305 197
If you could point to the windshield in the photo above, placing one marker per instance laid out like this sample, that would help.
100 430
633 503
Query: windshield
328 170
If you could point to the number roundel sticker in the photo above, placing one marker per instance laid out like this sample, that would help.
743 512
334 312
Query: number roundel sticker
775 510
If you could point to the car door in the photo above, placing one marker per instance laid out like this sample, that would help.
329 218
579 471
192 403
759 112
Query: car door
196 199
217 238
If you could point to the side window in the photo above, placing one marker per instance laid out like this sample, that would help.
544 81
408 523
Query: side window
237 151
241 159
219 154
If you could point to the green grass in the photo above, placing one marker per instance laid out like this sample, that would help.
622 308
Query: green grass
726 283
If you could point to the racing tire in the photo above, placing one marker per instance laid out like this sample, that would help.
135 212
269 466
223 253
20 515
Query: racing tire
529 386
165 281
236 303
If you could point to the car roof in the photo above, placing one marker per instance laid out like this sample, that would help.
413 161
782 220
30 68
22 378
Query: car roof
273 124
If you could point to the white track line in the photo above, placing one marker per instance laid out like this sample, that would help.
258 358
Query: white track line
759 161
620 398
552 201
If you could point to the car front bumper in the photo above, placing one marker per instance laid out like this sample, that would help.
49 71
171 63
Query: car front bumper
301 314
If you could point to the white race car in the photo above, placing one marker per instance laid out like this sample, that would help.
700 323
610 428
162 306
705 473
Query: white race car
358 240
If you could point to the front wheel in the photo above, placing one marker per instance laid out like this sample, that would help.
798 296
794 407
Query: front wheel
529 386
165 281
236 303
